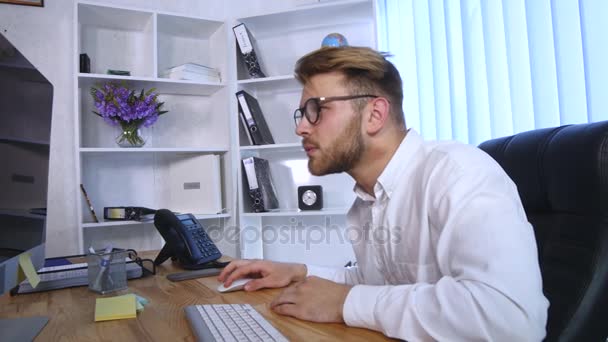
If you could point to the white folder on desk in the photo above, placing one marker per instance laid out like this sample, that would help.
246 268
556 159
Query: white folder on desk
195 184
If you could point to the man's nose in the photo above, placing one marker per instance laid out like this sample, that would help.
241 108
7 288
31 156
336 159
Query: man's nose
303 127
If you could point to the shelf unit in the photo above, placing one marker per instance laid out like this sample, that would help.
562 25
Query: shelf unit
294 33
198 124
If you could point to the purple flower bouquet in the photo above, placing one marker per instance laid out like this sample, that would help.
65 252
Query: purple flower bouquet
119 105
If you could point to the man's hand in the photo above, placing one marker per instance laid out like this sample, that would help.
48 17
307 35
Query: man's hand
267 273
313 299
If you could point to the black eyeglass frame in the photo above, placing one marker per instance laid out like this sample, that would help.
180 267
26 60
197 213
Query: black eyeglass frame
301 112
150 270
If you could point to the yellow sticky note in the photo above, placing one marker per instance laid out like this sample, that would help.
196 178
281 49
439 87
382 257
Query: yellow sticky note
25 262
119 307
20 275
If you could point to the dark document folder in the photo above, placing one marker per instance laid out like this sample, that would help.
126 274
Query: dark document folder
253 118
245 42
261 190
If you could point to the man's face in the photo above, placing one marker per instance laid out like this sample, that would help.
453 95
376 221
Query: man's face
334 144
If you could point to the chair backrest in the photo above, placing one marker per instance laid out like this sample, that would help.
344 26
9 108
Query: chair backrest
562 177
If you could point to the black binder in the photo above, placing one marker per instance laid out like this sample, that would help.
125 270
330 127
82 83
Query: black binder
245 42
259 182
253 118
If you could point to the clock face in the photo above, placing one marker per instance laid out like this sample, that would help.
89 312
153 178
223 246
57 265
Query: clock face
309 197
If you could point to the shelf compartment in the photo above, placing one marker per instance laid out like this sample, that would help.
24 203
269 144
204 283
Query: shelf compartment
126 31
322 239
289 170
162 85
278 107
301 30
183 39
150 180
193 122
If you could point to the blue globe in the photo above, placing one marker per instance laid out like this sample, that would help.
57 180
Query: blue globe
334 40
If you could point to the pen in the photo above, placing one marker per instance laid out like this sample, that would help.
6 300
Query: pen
104 264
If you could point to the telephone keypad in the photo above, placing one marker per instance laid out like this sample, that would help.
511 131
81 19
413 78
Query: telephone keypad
204 244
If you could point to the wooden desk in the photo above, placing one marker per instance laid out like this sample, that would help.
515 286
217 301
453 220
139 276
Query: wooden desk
71 312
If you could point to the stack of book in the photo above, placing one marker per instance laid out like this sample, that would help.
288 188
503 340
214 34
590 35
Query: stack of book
193 72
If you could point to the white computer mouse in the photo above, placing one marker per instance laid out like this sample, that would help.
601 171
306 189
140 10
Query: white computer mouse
236 285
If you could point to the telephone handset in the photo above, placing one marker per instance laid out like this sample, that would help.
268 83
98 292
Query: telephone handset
185 240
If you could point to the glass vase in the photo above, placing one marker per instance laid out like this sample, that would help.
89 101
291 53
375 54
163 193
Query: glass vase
131 137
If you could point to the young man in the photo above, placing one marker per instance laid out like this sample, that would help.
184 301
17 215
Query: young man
444 250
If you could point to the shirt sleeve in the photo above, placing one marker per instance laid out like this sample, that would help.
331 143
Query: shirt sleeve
347 276
490 287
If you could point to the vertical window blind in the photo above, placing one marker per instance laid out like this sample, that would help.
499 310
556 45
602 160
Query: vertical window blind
474 70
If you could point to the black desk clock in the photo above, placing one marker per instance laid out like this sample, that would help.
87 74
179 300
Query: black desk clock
310 197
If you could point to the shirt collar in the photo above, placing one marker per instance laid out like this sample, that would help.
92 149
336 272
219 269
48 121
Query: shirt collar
392 173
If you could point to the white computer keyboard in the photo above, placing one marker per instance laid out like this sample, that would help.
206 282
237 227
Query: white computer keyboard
230 322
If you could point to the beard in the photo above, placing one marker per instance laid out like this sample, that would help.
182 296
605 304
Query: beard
343 154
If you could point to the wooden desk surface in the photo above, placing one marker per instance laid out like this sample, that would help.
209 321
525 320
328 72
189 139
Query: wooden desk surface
71 312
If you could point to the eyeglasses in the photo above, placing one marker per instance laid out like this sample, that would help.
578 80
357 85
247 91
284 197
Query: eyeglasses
147 265
312 107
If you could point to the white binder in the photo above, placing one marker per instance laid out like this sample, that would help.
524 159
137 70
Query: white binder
195 184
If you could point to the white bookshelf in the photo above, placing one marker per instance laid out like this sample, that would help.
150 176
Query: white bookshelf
146 42
281 38
203 116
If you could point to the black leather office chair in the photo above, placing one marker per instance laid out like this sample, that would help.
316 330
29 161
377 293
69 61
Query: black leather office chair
562 177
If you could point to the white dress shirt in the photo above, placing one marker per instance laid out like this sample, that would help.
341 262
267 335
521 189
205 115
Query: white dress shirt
444 250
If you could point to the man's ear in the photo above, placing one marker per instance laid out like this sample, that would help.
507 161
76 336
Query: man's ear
378 117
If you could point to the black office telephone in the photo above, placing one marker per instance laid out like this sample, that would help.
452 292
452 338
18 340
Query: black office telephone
185 241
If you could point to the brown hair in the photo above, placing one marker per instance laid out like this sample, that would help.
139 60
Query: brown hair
366 71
